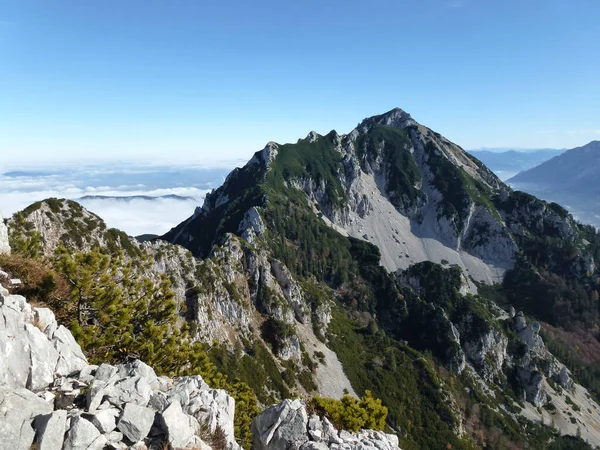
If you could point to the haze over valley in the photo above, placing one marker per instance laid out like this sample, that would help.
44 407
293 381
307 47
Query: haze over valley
137 198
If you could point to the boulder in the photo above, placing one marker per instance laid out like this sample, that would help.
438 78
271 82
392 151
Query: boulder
281 426
71 358
135 422
213 408
83 435
176 425
105 419
43 358
50 430
18 408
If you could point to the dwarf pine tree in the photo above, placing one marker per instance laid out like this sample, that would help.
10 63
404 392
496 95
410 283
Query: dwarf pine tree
117 312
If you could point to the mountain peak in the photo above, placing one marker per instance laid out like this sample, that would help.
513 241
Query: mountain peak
396 117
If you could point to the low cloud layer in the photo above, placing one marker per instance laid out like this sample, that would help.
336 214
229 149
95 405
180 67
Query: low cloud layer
21 187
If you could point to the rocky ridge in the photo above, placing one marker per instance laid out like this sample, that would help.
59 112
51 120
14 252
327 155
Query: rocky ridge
238 273
52 398
289 426
224 295
428 218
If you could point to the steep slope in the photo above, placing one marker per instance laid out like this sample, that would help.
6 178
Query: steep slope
390 181
225 297
279 273
53 399
570 179
319 206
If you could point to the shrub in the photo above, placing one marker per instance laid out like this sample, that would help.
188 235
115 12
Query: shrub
351 414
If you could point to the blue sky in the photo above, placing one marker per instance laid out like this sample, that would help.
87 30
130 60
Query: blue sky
194 80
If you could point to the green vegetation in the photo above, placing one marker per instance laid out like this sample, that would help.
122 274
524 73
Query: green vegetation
303 242
405 381
23 238
351 414
402 172
316 160
208 227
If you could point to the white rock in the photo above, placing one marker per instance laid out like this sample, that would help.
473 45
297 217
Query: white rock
50 430
44 320
18 407
105 420
43 359
176 425
83 435
71 358
4 245
135 422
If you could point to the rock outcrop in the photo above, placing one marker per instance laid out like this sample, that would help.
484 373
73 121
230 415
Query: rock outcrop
4 245
289 426
52 398
537 364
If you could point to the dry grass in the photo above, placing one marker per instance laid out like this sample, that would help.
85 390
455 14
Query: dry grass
41 285
217 440
38 323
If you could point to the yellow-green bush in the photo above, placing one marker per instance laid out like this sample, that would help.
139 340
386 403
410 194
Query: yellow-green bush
351 414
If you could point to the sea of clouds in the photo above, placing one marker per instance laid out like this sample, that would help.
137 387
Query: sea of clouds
187 185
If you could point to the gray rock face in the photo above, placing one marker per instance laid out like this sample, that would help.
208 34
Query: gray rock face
83 435
33 354
77 406
50 430
287 426
135 422
4 245
105 420
281 426
176 425
537 363
18 408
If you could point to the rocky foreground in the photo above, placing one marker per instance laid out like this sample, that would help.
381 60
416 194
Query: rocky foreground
51 399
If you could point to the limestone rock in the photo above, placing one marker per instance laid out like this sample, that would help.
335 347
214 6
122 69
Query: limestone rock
135 422
50 430
105 419
4 245
281 426
83 435
176 426
287 426
18 408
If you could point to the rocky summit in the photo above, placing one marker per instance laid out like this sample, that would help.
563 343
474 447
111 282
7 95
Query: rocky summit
379 289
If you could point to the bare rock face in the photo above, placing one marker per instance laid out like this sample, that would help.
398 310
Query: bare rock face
538 363
52 399
288 426
4 245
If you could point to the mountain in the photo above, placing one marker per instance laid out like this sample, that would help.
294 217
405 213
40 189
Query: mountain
508 163
385 264
570 179
332 208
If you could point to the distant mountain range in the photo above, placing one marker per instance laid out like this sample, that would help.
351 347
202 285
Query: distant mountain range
507 163
137 197
571 179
